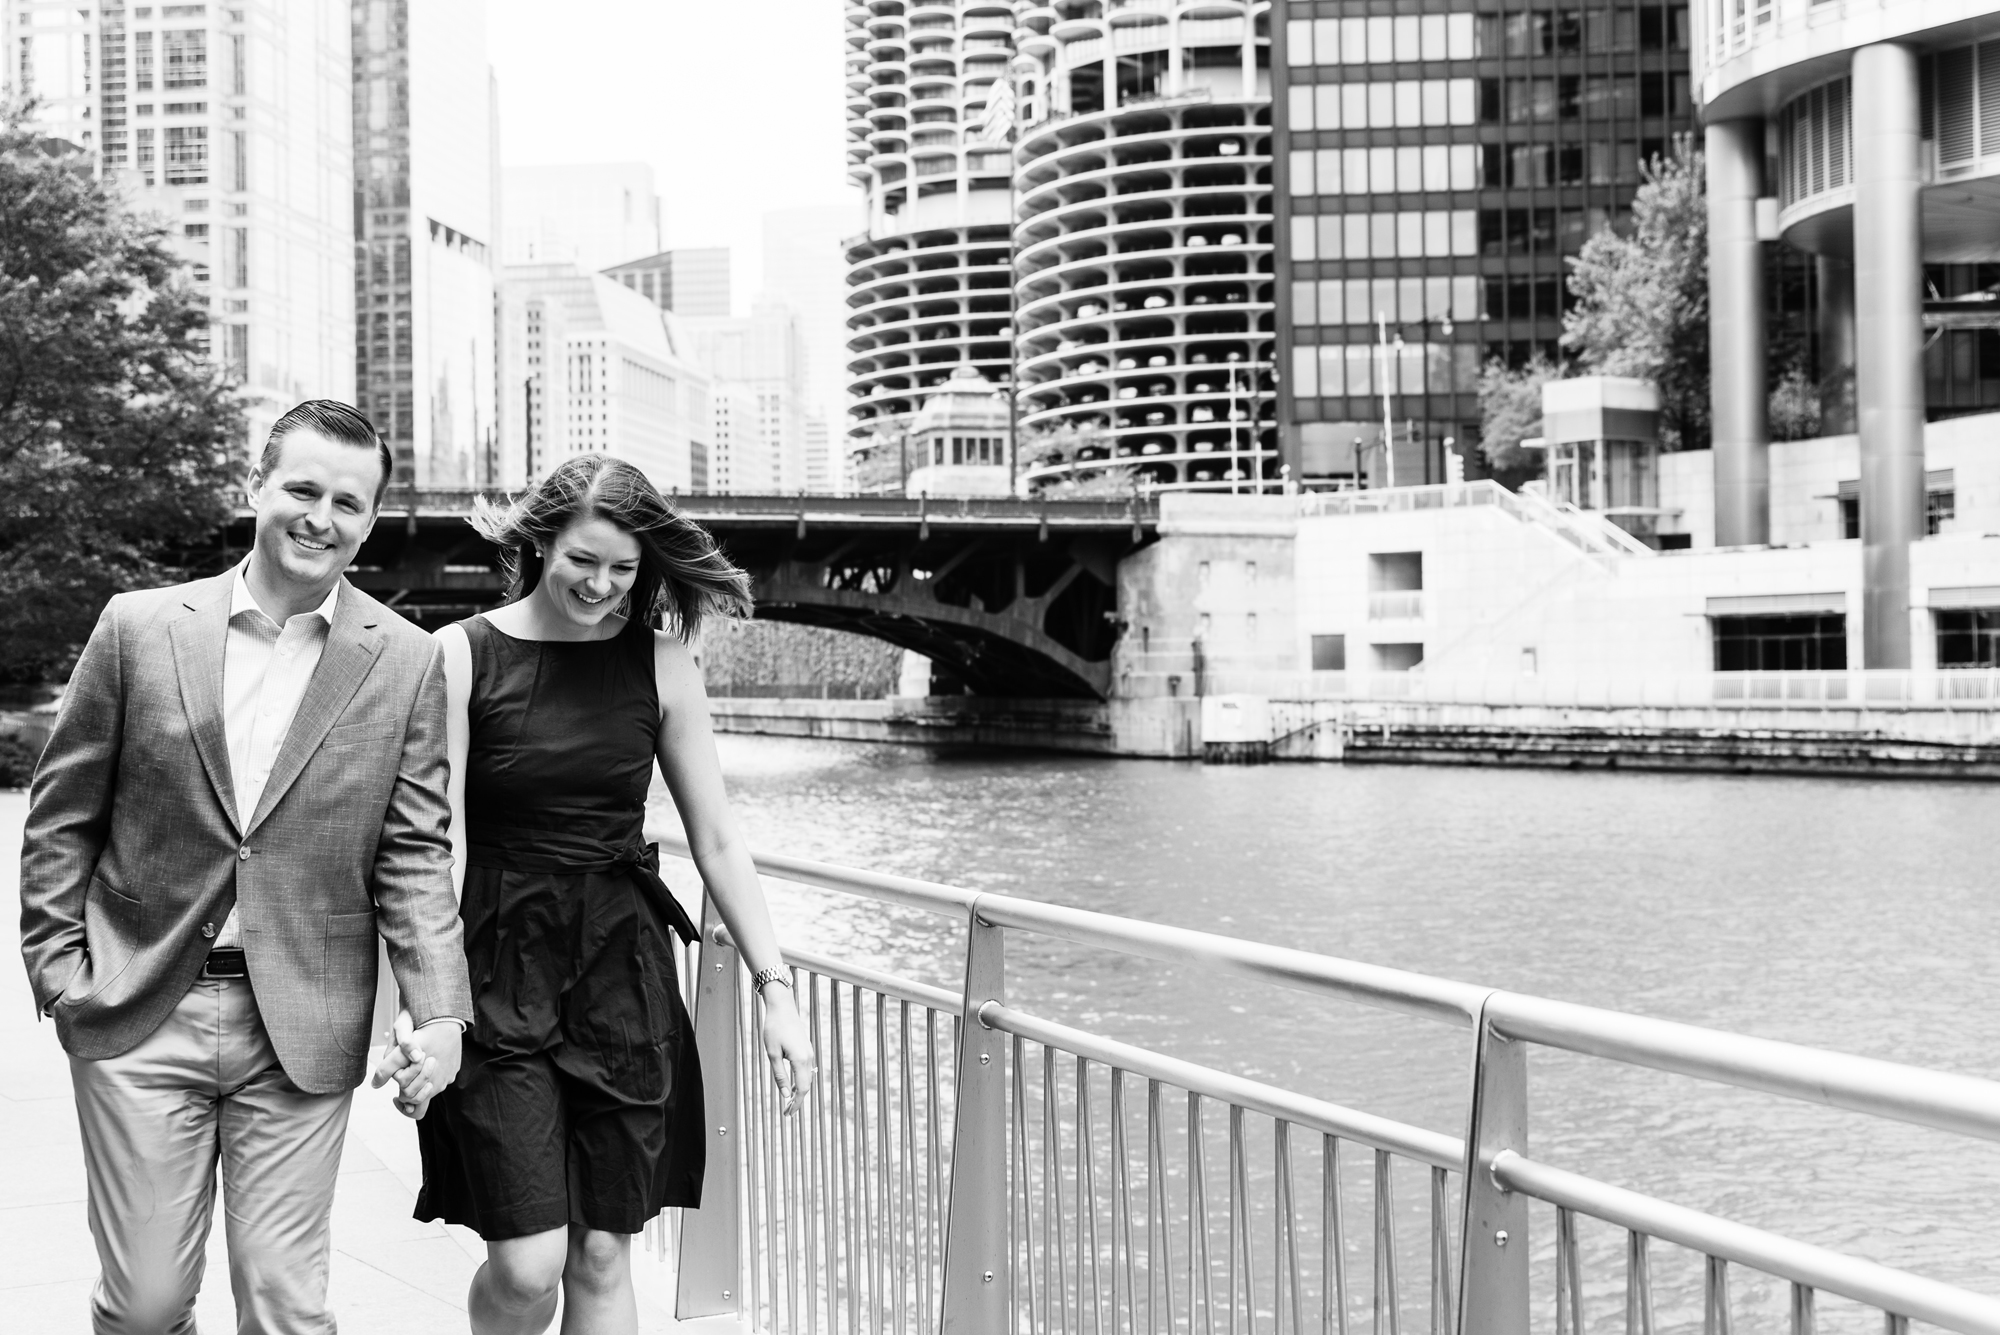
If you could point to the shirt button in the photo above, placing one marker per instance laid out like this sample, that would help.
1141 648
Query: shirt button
208 929
243 853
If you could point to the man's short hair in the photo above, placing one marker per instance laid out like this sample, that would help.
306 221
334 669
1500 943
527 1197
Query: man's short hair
339 422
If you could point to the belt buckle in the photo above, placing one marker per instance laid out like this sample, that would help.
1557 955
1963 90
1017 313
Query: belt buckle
225 963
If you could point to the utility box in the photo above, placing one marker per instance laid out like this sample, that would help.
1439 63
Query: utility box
1235 729
1602 433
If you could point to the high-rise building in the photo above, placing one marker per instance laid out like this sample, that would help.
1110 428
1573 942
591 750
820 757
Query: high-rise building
231 124
824 472
740 458
1143 245
1873 134
590 215
426 212
686 282
1438 164
928 280
804 267
597 370
765 353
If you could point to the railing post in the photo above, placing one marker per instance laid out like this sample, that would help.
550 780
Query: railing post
1493 1289
977 1282
710 1260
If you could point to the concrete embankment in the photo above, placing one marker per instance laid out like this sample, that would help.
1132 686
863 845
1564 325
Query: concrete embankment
1913 743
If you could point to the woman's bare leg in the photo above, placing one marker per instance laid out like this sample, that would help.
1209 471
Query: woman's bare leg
597 1284
514 1292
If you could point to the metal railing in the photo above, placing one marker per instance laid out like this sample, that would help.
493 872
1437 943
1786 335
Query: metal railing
1008 1173
1587 531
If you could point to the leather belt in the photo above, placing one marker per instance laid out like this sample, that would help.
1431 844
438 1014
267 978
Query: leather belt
225 962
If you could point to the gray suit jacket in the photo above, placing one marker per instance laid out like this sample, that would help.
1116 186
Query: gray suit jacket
133 852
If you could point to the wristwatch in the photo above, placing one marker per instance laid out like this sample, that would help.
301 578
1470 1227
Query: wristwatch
763 978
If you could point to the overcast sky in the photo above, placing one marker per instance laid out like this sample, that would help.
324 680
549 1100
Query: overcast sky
737 104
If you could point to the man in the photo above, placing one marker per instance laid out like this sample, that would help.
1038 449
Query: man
245 785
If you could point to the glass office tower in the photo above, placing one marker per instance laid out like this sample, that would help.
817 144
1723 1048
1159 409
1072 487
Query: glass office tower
1438 162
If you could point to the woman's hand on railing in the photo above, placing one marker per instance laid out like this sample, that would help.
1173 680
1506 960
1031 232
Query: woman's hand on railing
787 1045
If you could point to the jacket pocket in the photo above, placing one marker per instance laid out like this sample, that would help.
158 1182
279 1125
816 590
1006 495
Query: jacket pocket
348 977
362 732
113 934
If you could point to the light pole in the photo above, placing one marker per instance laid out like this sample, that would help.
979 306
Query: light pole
1390 357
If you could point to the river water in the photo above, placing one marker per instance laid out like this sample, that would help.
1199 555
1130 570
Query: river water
1852 915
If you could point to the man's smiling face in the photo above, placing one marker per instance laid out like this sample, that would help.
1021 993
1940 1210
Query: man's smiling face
314 508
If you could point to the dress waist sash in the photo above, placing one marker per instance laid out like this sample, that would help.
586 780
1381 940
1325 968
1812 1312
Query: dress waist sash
640 861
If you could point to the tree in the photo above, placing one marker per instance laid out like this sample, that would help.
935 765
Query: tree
1641 300
116 434
1510 411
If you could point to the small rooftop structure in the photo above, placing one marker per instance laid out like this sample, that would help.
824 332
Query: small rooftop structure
1602 433
959 436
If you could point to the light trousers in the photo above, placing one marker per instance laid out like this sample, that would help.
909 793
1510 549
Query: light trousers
205 1089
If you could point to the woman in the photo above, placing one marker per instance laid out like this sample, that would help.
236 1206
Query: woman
577 1114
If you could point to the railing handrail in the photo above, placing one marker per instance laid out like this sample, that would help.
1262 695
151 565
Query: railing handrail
1864 1281
1958 1104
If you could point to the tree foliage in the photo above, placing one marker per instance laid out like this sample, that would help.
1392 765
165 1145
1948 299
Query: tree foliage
116 434
1510 411
1641 299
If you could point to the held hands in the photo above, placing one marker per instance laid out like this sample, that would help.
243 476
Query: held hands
421 1064
788 1044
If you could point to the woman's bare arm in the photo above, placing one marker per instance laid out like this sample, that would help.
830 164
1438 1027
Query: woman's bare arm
694 777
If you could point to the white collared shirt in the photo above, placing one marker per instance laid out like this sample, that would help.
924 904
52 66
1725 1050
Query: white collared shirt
265 670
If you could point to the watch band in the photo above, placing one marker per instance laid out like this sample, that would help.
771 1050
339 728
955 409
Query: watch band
763 978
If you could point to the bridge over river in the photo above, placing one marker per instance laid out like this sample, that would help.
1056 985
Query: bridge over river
1008 598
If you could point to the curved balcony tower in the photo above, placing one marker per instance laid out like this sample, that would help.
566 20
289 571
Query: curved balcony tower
928 287
1143 238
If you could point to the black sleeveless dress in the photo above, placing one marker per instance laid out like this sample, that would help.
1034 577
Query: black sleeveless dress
579 1099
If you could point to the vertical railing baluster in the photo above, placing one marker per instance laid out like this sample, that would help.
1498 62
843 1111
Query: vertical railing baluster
1804 1322
850 1288
1239 1226
1121 1224
1022 1191
1086 1202
1332 1242
1201 1275
975 1232
1159 1250
1893 1324
1052 1206
1638 1284
1441 1258
1715 1297
1388 1292
1569 1285
886 1307
756 1212
1285 1285
819 1220
910 1238
934 1175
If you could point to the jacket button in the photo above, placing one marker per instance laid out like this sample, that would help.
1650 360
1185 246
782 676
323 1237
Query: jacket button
208 929
243 853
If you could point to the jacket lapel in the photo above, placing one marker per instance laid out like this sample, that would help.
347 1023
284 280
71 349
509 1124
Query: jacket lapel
352 644
198 640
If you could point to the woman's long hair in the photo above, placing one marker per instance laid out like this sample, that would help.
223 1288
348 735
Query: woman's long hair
683 578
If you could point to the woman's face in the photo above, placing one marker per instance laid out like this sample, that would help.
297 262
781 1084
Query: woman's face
588 569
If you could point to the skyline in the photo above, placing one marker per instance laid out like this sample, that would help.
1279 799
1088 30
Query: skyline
575 93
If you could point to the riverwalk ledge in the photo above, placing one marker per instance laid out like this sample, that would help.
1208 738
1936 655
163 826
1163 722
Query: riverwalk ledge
391 1275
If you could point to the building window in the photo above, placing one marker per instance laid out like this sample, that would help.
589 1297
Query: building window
187 155
1969 638
1398 657
145 158
237 352
142 63
1329 653
1791 642
184 53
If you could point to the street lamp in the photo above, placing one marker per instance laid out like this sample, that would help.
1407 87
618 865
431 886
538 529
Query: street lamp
1391 352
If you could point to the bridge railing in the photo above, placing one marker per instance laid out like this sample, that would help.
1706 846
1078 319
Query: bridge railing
966 1164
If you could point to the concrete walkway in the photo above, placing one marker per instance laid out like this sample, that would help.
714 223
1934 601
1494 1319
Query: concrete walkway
391 1274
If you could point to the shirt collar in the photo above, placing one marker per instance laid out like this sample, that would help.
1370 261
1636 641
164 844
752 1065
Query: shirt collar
242 600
